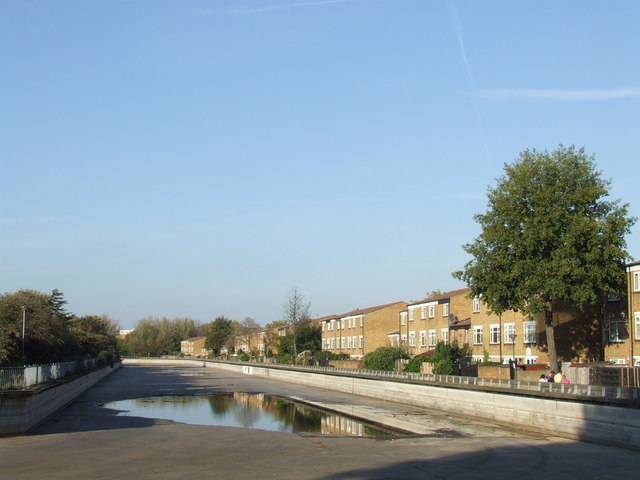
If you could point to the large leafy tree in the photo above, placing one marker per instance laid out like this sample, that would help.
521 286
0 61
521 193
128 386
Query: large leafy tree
218 333
549 235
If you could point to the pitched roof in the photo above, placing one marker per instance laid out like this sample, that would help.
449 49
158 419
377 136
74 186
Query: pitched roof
444 296
361 311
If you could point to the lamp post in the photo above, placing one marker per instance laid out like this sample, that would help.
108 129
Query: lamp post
512 337
24 318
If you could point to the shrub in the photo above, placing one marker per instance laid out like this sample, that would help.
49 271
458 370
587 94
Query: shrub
106 358
383 358
443 367
414 364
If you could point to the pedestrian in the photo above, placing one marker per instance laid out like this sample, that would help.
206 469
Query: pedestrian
550 376
542 379
557 378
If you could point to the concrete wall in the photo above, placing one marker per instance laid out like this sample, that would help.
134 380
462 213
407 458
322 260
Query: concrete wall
611 425
23 410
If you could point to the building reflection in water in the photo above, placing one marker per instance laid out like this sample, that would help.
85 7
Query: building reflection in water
247 410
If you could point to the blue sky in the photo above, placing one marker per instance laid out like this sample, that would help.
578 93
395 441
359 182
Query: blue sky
196 158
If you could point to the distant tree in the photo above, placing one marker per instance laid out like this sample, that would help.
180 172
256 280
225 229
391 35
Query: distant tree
434 293
549 235
296 311
219 333
308 338
247 333
272 334
95 334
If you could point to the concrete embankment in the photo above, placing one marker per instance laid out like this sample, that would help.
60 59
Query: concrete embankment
23 410
580 420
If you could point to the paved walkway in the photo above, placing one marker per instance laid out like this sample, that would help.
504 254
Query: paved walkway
87 440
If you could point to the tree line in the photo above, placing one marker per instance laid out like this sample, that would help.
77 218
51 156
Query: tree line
36 328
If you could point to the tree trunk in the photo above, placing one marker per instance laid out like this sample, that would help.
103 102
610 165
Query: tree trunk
551 339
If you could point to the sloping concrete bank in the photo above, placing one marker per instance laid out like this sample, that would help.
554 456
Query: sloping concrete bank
606 424
23 410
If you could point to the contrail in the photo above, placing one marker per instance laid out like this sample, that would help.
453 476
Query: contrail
286 6
559 95
455 18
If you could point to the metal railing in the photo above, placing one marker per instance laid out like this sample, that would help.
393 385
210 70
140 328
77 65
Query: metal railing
30 375
570 390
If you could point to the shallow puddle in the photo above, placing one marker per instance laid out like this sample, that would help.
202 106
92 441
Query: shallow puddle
248 410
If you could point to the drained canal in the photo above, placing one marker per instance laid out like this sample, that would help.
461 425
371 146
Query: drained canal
249 410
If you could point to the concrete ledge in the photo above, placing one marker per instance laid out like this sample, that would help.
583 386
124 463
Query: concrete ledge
579 420
23 410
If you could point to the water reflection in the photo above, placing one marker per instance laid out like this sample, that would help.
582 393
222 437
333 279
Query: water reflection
248 410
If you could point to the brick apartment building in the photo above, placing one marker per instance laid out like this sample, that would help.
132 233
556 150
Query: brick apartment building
360 331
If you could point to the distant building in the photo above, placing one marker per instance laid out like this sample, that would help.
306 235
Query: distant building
194 347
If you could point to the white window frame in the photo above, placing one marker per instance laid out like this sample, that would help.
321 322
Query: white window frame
432 311
433 337
614 332
636 316
412 339
411 315
445 309
361 341
423 338
476 304
477 335
343 343
361 321
403 339
349 343
444 335
333 343
403 318
636 281
494 334
509 329
423 313
530 333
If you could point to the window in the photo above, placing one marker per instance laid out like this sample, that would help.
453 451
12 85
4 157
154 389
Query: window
355 342
433 338
349 342
332 324
343 343
412 339
636 281
530 334
411 315
476 304
333 343
432 311
637 323
618 331
403 318
444 335
509 333
423 338
445 309
361 341
477 335
361 321
403 339
495 333
342 324
423 313
323 326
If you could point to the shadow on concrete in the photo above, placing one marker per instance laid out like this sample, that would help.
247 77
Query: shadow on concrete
543 461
